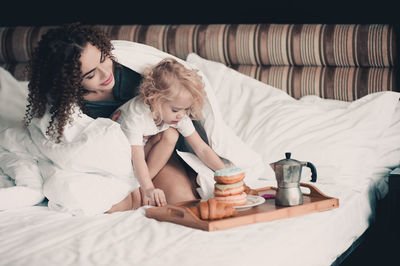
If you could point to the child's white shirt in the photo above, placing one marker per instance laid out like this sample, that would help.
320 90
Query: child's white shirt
137 122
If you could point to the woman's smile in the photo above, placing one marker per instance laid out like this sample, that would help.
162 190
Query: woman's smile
105 83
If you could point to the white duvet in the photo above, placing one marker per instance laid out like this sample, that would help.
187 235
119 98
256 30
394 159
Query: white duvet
353 146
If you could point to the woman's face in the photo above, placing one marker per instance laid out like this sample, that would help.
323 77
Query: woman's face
97 73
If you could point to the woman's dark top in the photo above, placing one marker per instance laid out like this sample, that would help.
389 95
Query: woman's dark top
126 87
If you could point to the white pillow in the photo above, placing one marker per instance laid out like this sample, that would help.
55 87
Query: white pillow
340 139
13 100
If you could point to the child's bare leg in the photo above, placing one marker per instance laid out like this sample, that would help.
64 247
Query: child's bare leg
158 150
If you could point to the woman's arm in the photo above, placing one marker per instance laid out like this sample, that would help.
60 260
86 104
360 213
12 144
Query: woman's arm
205 153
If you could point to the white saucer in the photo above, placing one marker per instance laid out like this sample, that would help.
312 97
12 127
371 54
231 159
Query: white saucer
252 200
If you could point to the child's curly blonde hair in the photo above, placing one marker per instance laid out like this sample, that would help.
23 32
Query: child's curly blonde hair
165 80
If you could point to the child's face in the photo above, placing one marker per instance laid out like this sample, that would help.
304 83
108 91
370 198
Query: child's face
173 111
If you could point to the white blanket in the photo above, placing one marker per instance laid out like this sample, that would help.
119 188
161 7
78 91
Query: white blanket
93 161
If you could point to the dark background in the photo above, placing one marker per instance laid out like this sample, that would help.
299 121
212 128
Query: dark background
114 12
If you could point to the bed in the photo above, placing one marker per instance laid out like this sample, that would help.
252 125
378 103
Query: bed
327 93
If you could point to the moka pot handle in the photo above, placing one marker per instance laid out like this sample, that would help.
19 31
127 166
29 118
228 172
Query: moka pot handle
313 171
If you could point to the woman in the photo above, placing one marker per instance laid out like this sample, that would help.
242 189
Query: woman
73 66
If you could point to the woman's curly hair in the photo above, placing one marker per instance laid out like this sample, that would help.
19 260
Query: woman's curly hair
163 81
55 77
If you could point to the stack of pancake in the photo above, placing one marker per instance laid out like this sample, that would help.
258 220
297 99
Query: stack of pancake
229 187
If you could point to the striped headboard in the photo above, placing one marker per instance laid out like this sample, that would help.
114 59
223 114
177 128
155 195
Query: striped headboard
333 61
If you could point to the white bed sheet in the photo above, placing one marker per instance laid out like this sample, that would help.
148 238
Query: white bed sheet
38 236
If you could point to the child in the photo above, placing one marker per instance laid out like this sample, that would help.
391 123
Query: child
169 96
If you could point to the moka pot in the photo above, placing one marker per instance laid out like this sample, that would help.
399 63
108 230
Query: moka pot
288 174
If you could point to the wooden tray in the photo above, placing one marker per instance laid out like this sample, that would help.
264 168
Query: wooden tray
179 213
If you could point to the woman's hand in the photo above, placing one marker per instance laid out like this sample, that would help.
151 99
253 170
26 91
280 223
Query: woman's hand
154 197
115 115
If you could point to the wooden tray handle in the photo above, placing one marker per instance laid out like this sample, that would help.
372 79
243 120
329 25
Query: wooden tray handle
314 192
184 213
175 212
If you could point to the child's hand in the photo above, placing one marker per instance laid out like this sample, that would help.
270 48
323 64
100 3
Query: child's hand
155 197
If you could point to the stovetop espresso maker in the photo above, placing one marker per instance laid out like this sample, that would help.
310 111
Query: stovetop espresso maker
288 174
